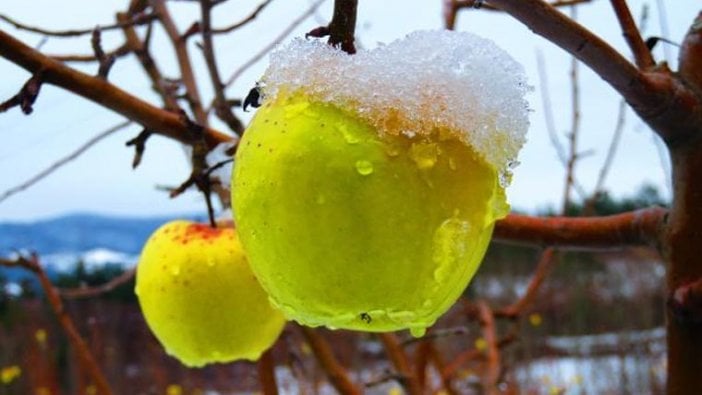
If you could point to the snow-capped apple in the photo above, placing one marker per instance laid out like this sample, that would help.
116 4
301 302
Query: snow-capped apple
366 187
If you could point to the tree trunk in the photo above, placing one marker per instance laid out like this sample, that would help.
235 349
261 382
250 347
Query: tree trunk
683 252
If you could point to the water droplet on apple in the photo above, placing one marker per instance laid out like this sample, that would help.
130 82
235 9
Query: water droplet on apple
364 167
449 247
425 155
418 332
452 163
402 317
349 136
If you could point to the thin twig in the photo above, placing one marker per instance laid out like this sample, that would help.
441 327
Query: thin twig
279 38
550 123
139 143
91 292
481 4
543 269
642 55
548 111
492 374
25 98
81 347
438 361
663 23
116 53
609 158
105 61
575 127
63 161
137 20
437 334
244 21
148 63
199 176
590 202
473 354
338 376
399 360
184 63
222 109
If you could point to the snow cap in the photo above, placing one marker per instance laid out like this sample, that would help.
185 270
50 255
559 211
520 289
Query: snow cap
429 81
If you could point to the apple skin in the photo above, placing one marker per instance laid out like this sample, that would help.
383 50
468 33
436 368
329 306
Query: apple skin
200 297
346 228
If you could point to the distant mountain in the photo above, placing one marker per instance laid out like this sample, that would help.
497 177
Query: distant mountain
94 239
79 232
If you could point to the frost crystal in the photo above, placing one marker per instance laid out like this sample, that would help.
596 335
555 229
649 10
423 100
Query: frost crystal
428 81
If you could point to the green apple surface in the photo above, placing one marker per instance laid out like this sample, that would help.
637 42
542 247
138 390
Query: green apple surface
200 297
347 227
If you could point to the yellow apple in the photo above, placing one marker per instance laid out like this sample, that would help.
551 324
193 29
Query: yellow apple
366 187
350 228
200 297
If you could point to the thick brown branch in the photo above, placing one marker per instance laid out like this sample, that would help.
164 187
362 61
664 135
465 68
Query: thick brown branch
266 373
642 55
662 100
640 227
691 55
683 252
101 92
451 8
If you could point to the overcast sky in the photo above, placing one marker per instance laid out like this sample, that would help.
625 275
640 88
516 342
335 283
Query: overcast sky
102 180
